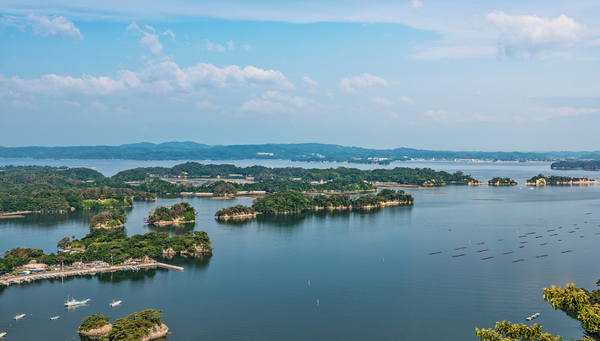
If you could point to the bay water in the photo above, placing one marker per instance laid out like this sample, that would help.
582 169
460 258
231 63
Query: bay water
387 274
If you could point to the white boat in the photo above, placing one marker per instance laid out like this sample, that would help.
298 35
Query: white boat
115 303
19 316
54 318
73 302
2 334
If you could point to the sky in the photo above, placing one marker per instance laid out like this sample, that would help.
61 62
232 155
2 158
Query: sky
440 75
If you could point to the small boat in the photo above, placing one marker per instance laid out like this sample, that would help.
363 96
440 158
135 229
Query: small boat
73 302
19 316
2 334
115 303
528 319
54 318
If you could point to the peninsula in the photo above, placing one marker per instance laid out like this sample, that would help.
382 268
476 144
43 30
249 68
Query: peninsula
114 245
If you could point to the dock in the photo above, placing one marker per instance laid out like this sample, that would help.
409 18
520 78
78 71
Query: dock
92 271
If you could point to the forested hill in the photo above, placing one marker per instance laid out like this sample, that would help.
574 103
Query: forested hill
295 152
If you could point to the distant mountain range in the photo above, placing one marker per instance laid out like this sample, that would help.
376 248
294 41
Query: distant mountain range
295 152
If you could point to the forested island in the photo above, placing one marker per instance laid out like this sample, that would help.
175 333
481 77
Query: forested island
497 181
178 213
293 201
591 165
60 189
553 180
100 244
108 220
142 326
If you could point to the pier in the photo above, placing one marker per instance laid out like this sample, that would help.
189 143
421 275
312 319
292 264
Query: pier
92 271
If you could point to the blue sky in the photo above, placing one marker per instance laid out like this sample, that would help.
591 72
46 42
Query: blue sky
470 75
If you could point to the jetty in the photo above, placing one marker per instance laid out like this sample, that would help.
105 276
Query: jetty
90 271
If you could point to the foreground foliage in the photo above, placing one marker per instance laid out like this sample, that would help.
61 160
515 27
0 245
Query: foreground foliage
575 300
512 332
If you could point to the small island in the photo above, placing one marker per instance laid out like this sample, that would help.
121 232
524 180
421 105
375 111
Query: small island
176 214
475 182
108 220
143 326
497 181
293 201
553 180
95 326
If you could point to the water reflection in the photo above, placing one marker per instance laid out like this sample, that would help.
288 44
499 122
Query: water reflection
196 262
173 229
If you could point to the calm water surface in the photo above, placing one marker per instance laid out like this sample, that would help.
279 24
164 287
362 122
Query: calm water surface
371 272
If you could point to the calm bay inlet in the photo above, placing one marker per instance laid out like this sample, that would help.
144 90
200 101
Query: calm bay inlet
385 274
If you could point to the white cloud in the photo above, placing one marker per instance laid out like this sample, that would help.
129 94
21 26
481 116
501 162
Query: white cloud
170 33
415 4
132 27
149 28
151 42
328 94
382 101
121 110
406 100
22 104
220 48
365 81
57 27
156 77
309 81
206 105
230 45
247 47
99 106
265 106
529 36
209 46
296 101
75 104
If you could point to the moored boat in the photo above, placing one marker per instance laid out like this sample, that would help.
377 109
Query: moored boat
115 303
2 334
73 302
19 316
54 318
